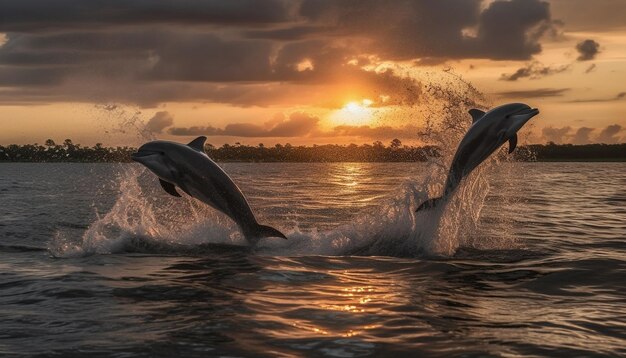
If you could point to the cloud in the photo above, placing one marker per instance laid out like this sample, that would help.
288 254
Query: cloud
590 68
216 51
41 15
438 29
533 71
588 49
609 135
556 135
596 16
298 124
365 131
159 122
620 96
535 93
582 136
298 32
511 29
141 54
177 65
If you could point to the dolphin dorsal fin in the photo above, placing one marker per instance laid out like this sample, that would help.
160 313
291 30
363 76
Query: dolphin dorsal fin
198 144
476 114
512 143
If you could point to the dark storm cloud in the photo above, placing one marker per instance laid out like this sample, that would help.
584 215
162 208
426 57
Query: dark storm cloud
158 61
144 94
143 51
298 124
45 58
211 59
533 71
610 134
164 55
535 93
587 49
511 29
288 33
159 122
37 15
439 29
32 76
400 30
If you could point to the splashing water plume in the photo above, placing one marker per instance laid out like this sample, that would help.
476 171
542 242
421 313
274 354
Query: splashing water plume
138 222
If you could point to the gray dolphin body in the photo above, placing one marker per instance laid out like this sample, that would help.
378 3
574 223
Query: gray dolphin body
189 168
488 132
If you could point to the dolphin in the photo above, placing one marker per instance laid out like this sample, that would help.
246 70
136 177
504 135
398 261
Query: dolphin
487 133
189 168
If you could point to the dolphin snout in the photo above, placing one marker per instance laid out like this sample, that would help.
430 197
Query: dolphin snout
531 112
141 155
524 115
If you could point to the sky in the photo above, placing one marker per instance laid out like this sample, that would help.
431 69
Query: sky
306 71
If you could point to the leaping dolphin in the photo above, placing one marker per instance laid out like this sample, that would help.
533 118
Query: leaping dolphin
189 168
487 133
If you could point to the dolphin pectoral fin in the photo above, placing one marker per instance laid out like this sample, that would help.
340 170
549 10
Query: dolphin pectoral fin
476 114
512 143
429 204
169 188
198 144
185 189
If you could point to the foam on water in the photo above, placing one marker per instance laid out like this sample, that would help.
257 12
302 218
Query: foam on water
136 223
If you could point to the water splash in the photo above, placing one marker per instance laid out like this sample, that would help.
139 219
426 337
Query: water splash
136 223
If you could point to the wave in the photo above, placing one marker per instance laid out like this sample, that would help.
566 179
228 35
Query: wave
20 248
136 223
139 223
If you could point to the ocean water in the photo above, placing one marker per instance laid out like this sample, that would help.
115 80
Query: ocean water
528 259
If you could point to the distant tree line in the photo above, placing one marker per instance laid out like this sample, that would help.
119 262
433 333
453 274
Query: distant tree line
571 152
66 152
375 152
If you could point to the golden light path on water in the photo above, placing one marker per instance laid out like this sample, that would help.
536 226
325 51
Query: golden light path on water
339 304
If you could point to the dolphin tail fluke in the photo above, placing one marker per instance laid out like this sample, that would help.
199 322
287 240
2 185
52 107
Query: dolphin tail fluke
261 231
429 204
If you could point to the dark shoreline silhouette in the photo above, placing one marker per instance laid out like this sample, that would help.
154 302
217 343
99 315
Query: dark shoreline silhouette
376 152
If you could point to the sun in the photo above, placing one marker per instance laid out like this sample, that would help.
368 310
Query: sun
354 113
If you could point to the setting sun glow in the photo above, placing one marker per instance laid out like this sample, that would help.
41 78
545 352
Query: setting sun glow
354 113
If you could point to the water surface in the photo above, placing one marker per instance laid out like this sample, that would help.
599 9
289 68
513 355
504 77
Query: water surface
95 261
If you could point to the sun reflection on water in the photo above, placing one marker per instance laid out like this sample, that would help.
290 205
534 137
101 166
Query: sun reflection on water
349 176
349 307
